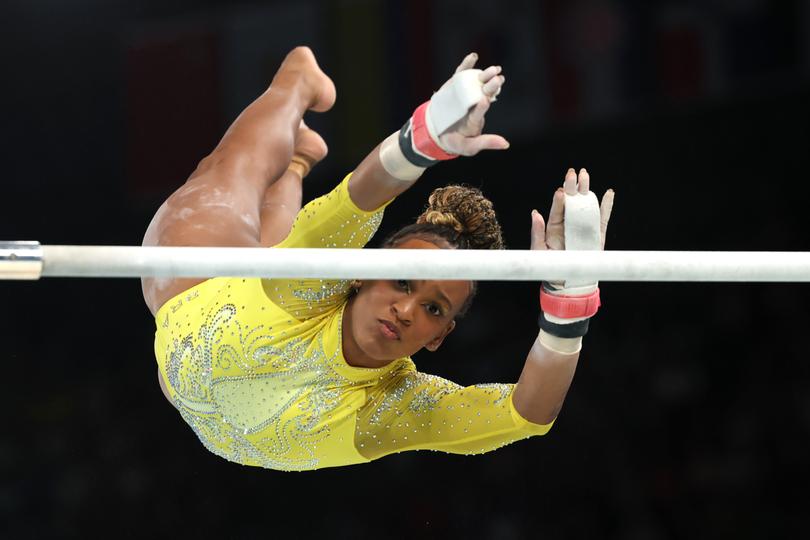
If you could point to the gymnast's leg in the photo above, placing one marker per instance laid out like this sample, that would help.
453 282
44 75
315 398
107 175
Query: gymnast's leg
282 200
221 203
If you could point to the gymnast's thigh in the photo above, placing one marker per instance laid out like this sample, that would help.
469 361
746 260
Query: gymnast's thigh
205 211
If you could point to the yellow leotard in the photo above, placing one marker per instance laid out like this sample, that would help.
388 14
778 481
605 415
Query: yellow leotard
256 368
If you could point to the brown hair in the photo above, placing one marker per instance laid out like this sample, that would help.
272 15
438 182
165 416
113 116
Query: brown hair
462 217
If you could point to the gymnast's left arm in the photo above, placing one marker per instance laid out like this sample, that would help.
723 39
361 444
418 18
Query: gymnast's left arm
576 222
449 125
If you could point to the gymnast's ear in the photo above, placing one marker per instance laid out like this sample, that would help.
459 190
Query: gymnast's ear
434 344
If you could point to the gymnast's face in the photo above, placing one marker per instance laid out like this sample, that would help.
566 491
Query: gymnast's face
389 319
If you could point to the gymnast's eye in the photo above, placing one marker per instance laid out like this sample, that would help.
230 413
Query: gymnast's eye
403 285
433 309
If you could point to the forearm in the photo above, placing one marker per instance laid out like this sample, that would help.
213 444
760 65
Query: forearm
371 184
546 378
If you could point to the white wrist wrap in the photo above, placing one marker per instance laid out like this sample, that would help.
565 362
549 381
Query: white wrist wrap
558 344
394 161
453 101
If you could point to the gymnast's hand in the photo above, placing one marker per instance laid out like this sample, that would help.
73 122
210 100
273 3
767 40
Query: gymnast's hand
465 136
552 236
449 124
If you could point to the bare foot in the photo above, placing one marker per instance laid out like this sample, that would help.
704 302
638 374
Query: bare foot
300 64
310 148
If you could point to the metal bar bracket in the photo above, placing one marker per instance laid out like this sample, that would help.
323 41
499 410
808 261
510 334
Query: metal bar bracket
20 260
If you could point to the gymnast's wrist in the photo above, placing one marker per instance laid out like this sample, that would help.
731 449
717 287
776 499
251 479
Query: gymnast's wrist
566 315
395 163
418 142
558 344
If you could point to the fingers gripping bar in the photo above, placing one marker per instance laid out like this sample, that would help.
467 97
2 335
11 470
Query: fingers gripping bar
582 229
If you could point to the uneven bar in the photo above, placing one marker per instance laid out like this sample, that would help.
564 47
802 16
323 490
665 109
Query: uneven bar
20 260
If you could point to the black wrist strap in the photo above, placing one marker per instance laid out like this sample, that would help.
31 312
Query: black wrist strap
572 330
406 146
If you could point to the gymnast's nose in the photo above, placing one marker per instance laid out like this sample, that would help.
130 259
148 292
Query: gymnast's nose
402 309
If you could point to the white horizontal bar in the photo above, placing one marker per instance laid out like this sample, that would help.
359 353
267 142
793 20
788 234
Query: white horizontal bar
507 265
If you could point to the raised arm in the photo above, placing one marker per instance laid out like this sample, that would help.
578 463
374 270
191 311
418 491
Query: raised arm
448 125
576 221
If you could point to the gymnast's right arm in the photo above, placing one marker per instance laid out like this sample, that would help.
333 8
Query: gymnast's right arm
448 125
576 222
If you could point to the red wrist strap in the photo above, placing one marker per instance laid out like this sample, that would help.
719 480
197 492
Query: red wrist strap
422 140
569 307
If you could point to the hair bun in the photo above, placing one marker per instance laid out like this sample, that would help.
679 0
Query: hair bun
437 217
468 212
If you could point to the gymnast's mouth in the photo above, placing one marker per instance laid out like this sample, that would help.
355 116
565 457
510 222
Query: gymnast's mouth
389 329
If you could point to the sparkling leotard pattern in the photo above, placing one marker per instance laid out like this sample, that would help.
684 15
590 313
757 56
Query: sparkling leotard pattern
256 368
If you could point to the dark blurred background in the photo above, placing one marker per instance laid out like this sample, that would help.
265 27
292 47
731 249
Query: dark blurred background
690 413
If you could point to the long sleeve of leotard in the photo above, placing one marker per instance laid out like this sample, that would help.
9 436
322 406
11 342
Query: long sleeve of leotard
330 221
410 410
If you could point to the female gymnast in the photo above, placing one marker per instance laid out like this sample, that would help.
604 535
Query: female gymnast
300 374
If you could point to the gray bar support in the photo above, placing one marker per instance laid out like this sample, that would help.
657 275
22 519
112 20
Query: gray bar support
20 260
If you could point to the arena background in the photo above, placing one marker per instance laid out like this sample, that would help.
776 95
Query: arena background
690 412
